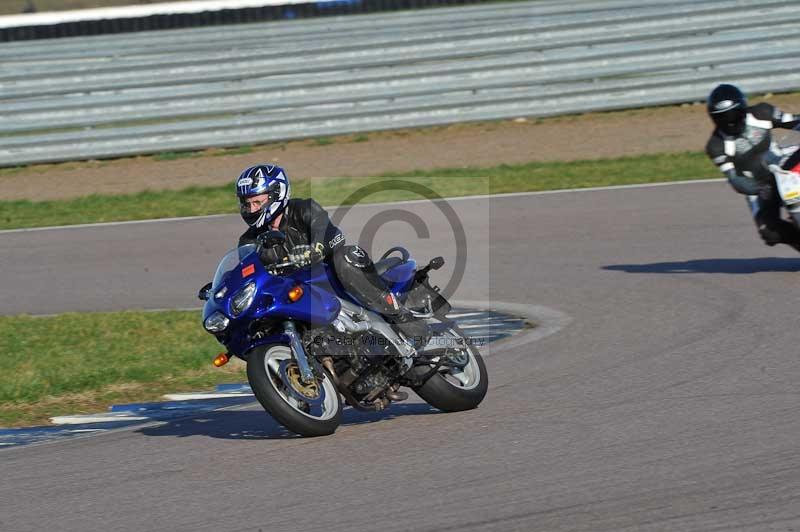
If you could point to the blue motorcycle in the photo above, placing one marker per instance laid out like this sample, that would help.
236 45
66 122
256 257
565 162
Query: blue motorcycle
308 343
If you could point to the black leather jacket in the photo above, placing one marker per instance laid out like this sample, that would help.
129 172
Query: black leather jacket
304 222
744 159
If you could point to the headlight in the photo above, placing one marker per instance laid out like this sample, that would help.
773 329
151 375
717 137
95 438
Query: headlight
242 299
217 322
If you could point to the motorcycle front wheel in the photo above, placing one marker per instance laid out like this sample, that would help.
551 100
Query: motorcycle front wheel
307 409
460 386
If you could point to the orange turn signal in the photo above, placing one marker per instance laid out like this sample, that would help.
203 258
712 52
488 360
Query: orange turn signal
221 359
295 293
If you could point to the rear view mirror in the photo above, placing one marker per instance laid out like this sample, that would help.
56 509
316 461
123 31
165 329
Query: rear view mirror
205 293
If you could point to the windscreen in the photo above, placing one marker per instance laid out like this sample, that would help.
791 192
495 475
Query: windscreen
230 261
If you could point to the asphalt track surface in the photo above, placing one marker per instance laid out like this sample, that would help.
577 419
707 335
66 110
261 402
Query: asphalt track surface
668 403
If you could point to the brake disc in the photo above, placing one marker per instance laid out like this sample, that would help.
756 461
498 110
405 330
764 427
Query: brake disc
459 359
313 393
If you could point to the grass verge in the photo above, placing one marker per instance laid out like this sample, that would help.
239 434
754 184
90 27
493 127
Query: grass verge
82 363
334 191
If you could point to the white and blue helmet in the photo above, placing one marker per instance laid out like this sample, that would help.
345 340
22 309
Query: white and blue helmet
258 180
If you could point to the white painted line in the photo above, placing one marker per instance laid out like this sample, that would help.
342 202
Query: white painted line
407 202
113 224
179 309
493 331
101 418
548 192
492 321
49 18
195 396
129 428
504 321
476 326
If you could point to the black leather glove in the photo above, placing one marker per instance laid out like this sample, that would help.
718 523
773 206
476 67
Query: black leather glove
304 255
272 249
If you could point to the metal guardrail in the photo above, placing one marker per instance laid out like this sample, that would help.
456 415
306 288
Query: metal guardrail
110 96
189 14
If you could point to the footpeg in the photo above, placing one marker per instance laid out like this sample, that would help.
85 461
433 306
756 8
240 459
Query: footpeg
397 395
428 313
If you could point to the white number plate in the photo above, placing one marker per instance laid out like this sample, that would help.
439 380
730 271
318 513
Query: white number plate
788 186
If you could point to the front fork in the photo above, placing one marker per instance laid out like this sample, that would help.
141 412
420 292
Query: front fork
299 353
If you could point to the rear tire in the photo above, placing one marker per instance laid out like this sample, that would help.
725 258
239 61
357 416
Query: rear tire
450 394
279 399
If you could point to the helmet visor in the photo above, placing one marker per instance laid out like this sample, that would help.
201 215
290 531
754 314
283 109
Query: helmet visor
254 209
731 121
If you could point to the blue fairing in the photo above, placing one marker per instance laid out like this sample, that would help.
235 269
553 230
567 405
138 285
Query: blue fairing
401 277
318 306
240 267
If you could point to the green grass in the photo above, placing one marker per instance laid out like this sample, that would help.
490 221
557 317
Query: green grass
81 363
173 155
219 152
223 152
445 182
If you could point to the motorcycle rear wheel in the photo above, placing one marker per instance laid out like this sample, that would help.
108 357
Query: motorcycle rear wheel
450 390
308 410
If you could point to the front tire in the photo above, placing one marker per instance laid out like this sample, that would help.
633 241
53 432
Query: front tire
308 410
451 390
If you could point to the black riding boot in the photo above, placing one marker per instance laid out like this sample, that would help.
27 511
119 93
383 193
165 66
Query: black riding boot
356 272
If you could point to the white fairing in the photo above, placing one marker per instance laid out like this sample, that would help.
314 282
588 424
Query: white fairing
788 185
789 190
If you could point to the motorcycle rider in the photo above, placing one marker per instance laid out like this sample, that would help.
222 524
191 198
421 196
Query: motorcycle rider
265 204
742 146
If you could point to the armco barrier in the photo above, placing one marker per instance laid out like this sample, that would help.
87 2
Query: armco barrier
115 95
120 22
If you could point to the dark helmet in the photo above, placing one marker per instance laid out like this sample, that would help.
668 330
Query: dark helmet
727 107
259 180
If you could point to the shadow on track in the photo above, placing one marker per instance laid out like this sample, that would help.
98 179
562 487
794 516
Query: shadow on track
258 425
731 266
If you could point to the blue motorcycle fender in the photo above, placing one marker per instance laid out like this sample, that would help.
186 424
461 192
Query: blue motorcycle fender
243 351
